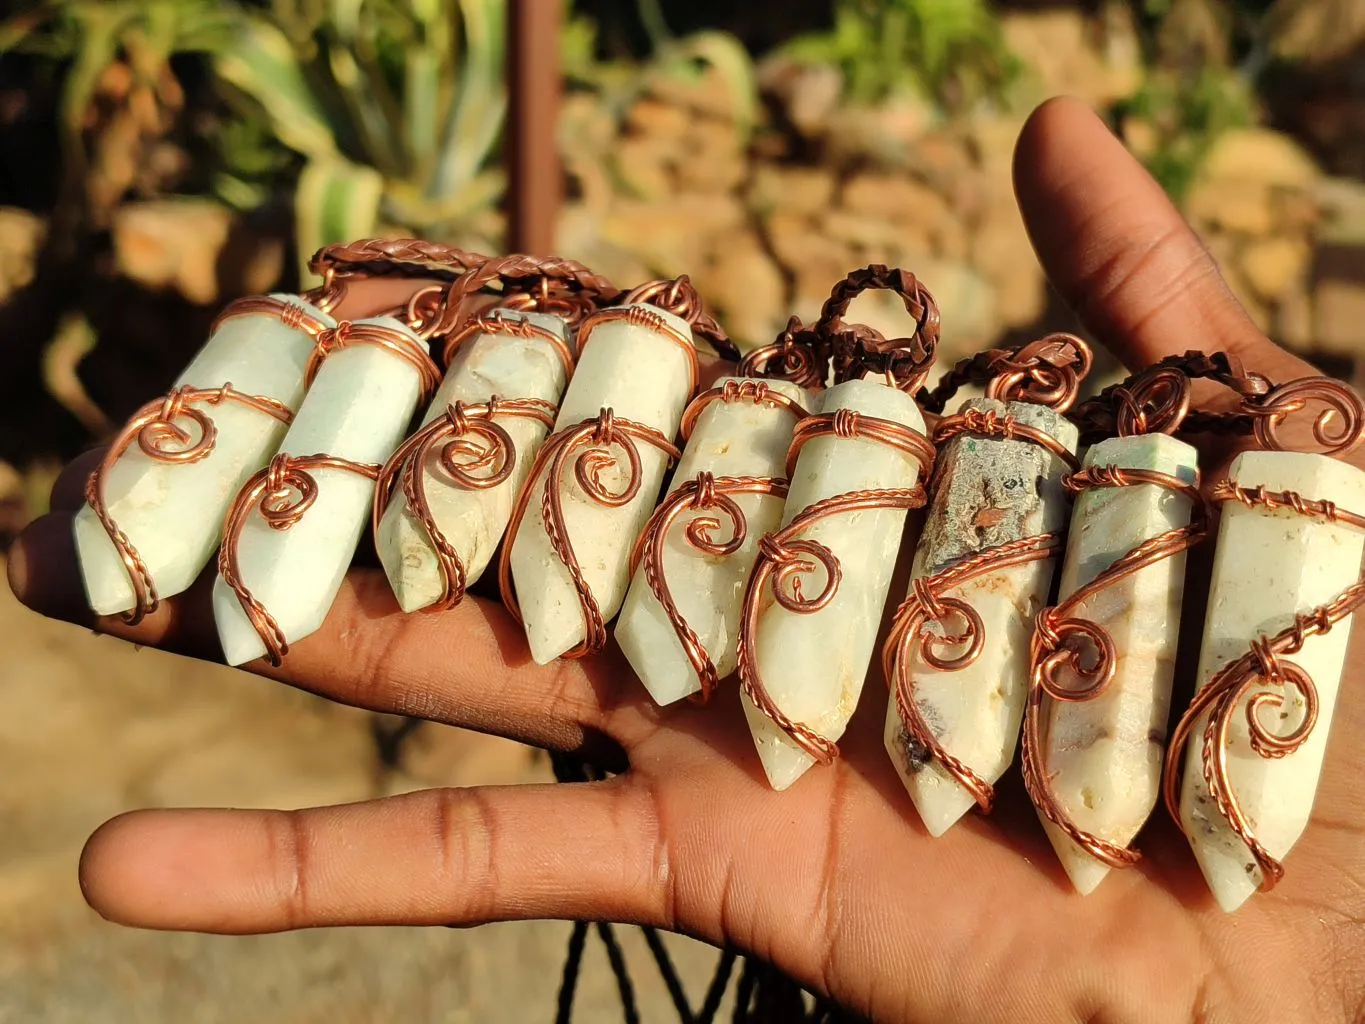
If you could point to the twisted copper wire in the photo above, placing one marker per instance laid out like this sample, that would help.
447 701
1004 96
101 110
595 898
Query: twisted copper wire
856 350
755 391
798 355
681 298
159 437
643 316
784 557
463 458
272 491
599 436
1059 637
1264 662
290 314
493 321
704 493
347 333
927 602
1341 403
522 271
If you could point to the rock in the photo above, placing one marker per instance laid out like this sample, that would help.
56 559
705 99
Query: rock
884 135
1272 266
1338 313
1242 206
859 229
790 189
649 116
806 93
1341 205
713 157
708 93
644 167
894 197
1065 52
1141 136
21 236
1259 155
968 305
746 289
579 237
179 244
670 236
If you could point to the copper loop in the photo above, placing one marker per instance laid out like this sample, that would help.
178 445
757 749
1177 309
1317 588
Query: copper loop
1336 429
1046 372
1061 640
704 493
158 436
599 436
1266 662
796 356
475 453
282 493
682 299
855 350
785 559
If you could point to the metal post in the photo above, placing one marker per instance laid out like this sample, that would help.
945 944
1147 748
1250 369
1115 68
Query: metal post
534 86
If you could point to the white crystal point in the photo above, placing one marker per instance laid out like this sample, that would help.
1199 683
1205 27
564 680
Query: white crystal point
473 520
357 409
644 376
813 665
1268 567
1104 755
990 491
733 439
172 513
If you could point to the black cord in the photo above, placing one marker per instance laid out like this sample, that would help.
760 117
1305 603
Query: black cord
618 968
568 985
670 974
720 981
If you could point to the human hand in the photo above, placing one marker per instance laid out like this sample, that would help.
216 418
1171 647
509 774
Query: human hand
833 881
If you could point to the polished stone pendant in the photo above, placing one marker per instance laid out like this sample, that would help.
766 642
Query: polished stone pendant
1104 656
294 527
814 601
958 659
1271 664
446 496
679 626
155 505
595 480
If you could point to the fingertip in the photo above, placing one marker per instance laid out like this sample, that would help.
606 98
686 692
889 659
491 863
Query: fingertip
44 572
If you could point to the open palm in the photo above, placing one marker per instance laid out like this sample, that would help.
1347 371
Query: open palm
834 881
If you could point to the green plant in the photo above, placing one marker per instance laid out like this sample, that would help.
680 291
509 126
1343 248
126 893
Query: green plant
951 51
396 107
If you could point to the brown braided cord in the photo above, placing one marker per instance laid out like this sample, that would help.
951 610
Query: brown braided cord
522 272
856 349
1264 662
409 256
1046 372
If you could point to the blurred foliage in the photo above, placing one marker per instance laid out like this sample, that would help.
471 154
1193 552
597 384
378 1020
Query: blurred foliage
951 51
684 59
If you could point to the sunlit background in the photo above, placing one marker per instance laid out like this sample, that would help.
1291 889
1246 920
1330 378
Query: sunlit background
158 159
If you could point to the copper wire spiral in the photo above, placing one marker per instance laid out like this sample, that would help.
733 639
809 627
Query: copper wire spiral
785 558
792 357
1265 662
1061 639
706 493
475 454
599 436
158 435
927 602
1337 428
282 493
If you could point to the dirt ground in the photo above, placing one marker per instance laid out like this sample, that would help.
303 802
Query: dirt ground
91 726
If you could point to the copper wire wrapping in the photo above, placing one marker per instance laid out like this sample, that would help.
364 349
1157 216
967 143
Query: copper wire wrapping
927 602
476 454
792 357
492 321
1265 662
160 437
282 492
1336 429
706 493
347 333
599 435
680 297
577 288
1061 639
785 558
